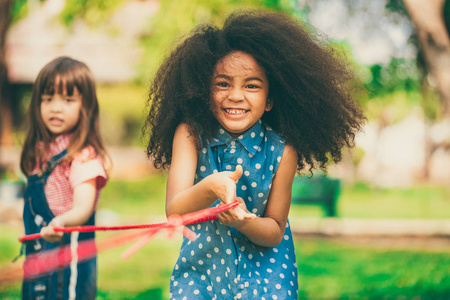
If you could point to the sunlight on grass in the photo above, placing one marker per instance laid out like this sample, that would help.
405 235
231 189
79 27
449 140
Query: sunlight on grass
144 198
328 269
419 202
362 201
147 271
9 249
135 201
331 270
122 113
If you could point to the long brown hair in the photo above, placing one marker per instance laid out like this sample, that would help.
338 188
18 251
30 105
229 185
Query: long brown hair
72 73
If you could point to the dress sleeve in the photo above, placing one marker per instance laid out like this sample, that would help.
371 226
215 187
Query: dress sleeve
87 165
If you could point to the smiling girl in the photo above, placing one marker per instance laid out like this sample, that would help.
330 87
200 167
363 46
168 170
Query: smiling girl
63 157
236 112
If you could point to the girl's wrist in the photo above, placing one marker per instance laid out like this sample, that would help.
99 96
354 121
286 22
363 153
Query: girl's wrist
211 183
242 224
57 222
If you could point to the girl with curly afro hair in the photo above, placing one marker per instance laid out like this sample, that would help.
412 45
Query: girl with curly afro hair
235 112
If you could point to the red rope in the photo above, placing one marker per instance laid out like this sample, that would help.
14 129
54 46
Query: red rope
46 261
195 217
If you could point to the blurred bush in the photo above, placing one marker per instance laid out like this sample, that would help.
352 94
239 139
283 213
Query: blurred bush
122 113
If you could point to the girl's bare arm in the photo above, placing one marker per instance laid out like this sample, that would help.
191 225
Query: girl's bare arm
182 196
268 231
83 206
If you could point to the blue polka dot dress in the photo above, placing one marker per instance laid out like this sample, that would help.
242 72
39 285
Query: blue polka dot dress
222 263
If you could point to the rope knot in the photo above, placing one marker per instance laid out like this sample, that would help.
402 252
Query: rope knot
175 221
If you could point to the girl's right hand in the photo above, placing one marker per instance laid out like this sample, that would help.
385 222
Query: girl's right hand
223 184
234 217
49 234
223 187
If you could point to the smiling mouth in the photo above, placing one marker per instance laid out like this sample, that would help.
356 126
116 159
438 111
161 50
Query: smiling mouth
233 111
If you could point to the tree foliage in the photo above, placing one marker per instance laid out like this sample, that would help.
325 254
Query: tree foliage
93 12
19 10
176 18
400 74
432 23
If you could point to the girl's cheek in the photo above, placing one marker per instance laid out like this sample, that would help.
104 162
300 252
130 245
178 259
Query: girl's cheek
220 96
214 99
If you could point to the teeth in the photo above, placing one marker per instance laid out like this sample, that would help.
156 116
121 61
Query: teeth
235 111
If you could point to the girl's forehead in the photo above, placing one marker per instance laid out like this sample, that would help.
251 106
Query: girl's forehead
60 85
238 64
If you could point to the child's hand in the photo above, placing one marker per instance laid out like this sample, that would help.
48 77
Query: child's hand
223 184
234 217
49 234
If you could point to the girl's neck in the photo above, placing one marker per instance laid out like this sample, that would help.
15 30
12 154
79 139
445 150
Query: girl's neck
57 137
62 138
236 135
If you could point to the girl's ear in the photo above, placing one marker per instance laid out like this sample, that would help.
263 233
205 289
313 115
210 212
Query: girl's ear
269 104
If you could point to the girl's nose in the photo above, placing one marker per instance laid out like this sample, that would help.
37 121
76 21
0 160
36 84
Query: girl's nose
56 106
236 94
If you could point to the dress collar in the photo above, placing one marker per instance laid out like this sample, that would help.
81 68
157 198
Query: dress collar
251 139
61 143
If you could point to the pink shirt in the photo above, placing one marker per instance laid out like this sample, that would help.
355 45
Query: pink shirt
61 182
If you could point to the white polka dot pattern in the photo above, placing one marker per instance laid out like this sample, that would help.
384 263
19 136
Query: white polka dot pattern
227 265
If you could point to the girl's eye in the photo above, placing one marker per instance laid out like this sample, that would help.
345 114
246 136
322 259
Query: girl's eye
252 86
46 99
222 84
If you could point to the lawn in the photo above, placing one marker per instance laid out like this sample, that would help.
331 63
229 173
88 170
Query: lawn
145 198
328 269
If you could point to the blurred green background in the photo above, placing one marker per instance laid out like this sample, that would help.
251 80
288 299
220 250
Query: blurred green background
397 171
329 267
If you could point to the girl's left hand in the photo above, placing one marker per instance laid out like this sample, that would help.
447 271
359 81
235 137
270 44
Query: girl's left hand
49 234
235 216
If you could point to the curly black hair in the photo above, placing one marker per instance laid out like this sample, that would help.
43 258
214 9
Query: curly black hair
311 86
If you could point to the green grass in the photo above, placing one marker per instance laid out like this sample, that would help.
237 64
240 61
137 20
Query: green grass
122 113
137 199
144 198
427 202
145 275
334 270
365 202
328 269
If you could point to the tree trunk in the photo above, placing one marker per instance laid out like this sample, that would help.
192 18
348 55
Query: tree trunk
6 127
434 40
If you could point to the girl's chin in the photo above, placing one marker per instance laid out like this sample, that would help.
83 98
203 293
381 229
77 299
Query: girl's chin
235 132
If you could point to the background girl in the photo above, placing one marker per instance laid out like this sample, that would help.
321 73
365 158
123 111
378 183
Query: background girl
236 112
62 157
